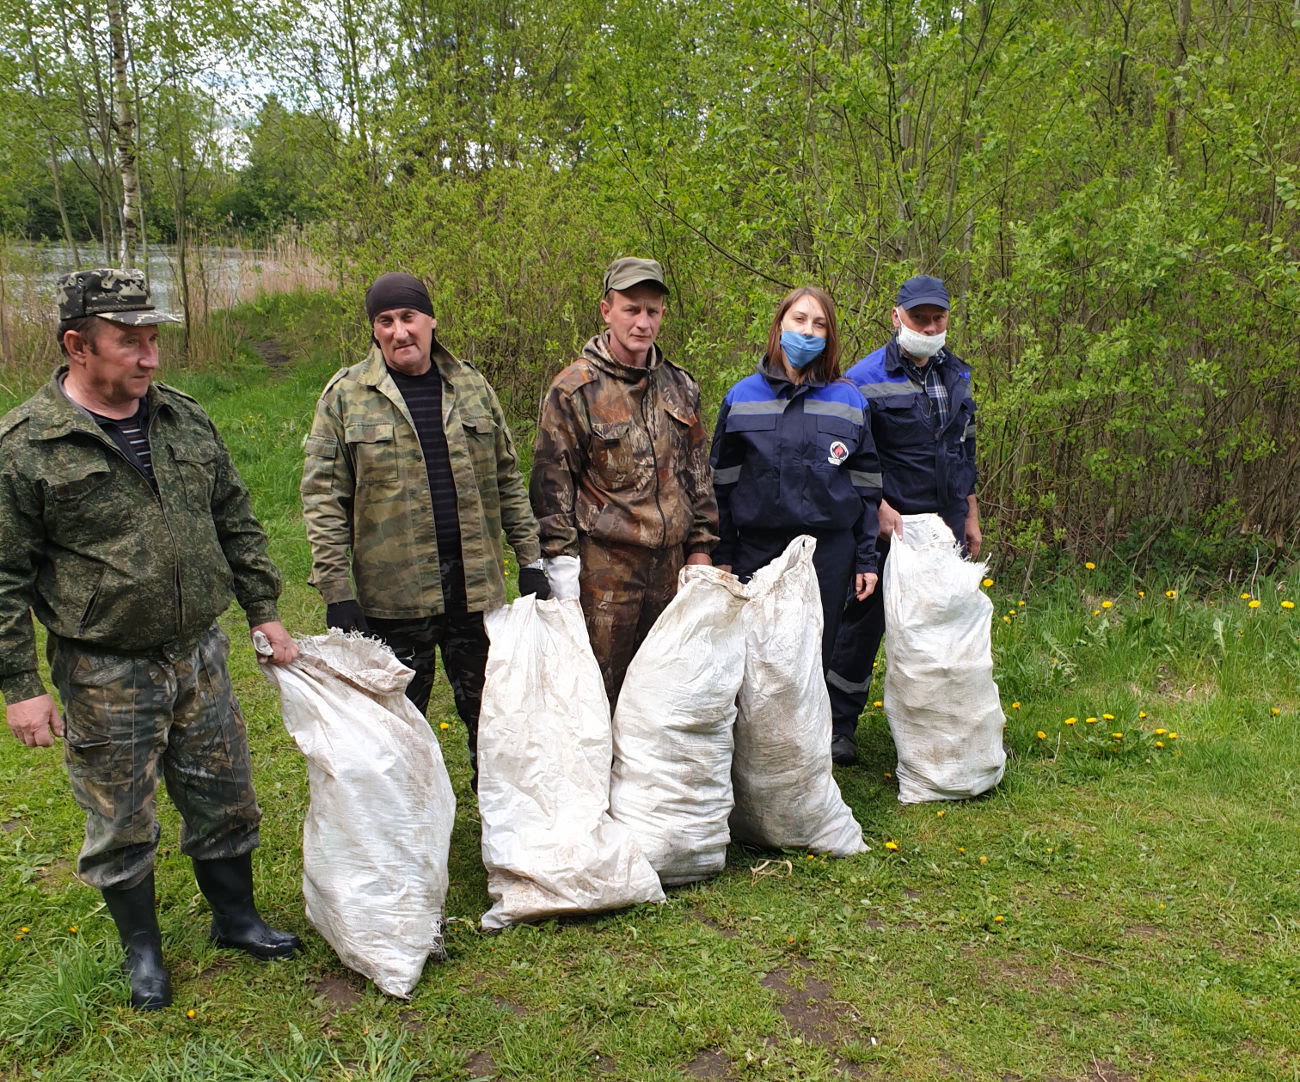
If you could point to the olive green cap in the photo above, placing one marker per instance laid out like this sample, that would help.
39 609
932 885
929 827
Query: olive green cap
629 271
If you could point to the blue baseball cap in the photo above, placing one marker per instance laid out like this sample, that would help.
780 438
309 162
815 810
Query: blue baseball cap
923 289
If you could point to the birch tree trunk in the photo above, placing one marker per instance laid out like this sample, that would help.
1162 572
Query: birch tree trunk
124 128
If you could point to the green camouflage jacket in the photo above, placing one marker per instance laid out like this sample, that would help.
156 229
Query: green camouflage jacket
622 457
100 559
365 489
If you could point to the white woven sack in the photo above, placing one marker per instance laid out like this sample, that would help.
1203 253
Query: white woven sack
377 832
671 782
941 702
549 844
786 795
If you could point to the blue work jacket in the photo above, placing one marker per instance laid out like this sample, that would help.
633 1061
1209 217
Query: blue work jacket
797 458
924 468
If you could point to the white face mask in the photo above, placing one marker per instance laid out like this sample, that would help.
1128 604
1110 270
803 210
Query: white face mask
915 344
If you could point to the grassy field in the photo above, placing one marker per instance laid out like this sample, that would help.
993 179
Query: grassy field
1122 907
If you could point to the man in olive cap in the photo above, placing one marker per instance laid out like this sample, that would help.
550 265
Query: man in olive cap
126 530
922 418
621 484
411 476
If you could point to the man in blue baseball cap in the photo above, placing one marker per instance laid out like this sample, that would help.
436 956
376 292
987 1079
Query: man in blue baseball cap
923 422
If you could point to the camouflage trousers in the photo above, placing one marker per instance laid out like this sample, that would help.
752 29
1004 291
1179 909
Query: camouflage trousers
131 719
624 588
463 642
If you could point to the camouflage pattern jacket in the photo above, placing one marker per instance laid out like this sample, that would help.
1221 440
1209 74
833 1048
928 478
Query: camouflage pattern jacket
622 457
100 559
365 489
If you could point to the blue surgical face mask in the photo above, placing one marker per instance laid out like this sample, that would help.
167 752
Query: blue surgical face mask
800 349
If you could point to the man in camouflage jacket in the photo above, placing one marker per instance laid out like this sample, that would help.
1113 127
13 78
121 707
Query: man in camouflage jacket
621 483
126 530
410 477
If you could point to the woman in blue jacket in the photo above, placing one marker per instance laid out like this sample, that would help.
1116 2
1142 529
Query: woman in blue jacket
792 454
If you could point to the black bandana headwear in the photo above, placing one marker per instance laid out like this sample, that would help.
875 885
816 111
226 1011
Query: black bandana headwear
397 290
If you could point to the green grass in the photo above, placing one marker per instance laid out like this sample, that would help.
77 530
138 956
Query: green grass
1148 897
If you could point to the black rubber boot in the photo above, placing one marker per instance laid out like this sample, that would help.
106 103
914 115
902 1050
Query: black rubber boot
133 912
228 886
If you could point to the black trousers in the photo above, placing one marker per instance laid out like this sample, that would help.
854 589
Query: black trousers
464 644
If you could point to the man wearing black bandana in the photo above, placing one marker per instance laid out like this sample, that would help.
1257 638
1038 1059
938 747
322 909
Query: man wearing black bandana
410 478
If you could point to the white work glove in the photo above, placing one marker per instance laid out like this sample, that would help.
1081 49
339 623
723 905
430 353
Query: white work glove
562 571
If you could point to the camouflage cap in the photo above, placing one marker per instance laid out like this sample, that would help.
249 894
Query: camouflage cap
119 295
629 271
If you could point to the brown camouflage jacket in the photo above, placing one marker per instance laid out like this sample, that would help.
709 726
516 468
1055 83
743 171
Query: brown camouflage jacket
100 559
622 457
365 491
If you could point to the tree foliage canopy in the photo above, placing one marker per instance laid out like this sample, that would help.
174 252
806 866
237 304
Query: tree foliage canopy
1110 188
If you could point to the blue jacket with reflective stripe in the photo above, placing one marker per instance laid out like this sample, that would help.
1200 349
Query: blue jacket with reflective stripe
922 469
794 457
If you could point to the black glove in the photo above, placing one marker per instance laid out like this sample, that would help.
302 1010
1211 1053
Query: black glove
533 580
346 616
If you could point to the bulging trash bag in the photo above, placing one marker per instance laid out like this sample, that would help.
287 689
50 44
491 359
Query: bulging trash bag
941 702
673 728
377 832
786 795
544 747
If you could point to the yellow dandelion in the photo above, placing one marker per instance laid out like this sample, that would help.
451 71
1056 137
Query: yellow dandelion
1106 604
72 928
960 849
1275 711
987 583
1142 713
1015 705
1253 604
1006 619
1108 717
1021 603
443 725
1096 612
984 860
790 939
1142 593
1011 612
1090 566
1288 604
811 857
888 774
1117 736
191 1013
1171 594
878 704
1091 721
1160 743
939 813
1070 721
1245 597
1041 735
997 919
24 930
1173 736
1161 732
891 846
